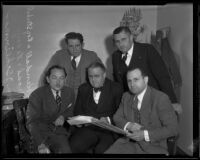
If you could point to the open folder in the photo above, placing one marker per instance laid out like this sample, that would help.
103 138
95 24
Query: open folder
77 120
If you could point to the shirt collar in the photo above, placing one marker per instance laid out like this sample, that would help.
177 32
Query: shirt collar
141 95
130 51
77 58
54 92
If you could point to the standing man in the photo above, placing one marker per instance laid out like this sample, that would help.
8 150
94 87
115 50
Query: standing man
132 54
74 59
48 108
147 116
100 99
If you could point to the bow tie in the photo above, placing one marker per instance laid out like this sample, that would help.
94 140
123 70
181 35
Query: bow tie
97 89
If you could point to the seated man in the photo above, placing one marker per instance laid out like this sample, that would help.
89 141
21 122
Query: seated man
47 110
147 115
100 99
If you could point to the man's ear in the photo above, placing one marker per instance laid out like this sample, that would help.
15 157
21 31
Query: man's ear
83 44
104 75
146 79
131 37
47 78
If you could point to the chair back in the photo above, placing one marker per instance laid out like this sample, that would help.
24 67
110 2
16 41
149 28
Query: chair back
172 141
25 142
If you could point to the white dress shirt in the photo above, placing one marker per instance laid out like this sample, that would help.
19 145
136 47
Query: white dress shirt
96 96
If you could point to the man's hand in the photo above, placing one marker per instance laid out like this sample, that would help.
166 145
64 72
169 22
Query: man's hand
132 127
59 121
42 148
137 135
177 107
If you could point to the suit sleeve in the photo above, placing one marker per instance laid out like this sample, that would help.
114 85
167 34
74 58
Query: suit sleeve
114 69
96 58
160 72
168 120
119 117
33 118
117 99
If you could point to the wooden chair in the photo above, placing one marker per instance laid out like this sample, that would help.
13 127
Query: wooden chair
25 143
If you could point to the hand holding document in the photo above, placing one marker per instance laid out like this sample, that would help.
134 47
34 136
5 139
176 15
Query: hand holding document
77 120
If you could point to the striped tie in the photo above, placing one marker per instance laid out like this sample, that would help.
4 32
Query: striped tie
58 99
73 62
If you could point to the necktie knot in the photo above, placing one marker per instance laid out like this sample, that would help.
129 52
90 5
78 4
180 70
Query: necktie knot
135 102
97 89
73 62
124 57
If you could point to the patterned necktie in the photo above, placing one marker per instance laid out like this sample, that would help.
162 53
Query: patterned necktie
124 57
58 99
136 111
73 62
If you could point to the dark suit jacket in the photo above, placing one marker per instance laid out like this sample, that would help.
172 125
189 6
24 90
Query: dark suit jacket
108 103
157 116
42 111
146 57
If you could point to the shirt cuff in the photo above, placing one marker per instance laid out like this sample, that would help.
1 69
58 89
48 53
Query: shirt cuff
126 126
146 135
108 118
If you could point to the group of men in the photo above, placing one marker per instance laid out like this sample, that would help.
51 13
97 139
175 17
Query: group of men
140 100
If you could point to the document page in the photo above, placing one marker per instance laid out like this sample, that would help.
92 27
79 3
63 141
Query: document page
77 120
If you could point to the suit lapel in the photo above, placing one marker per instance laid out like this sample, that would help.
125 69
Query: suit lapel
135 56
145 109
82 60
65 100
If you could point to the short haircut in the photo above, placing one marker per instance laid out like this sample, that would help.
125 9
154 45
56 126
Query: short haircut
121 29
97 65
73 35
48 73
143 73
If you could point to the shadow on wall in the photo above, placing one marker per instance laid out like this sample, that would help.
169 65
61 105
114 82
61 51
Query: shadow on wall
42 79
109 45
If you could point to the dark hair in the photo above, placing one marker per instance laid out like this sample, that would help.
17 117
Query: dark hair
143 73
97 64
121 29
74 35
48 73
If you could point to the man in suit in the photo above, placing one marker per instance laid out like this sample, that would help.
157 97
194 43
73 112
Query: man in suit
100 99
146 114
47 110
74 59
132 54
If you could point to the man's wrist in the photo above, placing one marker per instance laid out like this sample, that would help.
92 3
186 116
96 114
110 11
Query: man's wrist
146 135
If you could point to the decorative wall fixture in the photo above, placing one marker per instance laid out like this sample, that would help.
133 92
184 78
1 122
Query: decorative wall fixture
132 19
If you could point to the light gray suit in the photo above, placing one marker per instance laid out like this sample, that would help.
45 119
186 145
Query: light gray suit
157 117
